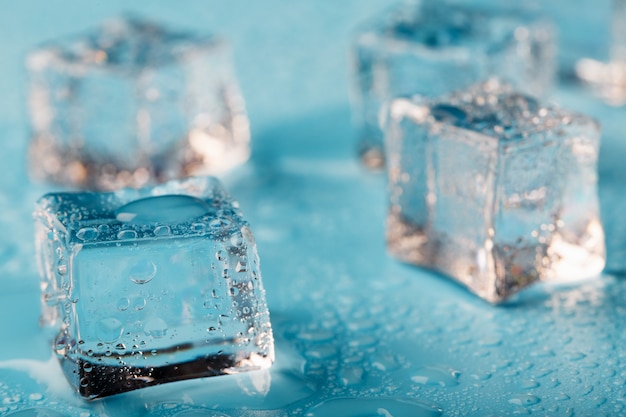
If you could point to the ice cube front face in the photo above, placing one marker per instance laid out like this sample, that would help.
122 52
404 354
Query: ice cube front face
132 103
433 47
494 189
143 287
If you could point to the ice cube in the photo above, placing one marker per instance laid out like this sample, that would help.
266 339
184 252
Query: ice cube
432 47
133 103
494 188
142 287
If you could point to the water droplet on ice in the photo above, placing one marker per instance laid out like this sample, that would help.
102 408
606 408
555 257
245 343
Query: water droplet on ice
167 209
62 266
126 235
162 231
109 329
123 304
241 267
236 240
143 272
139 303
87 233
155 327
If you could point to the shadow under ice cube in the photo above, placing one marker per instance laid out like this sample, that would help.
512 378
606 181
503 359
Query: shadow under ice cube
494 189
143 287
432 47
133 103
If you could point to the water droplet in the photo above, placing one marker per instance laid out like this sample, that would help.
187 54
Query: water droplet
62 266
104 229
236 240
87 367
166 209
109 329
87 234
123 304
35 396
529 384
126 235
84 382
219 223
143 272
386 362
198 227
139 303
524 400
481 376
435 375
241 266
220 255
162 231
155 327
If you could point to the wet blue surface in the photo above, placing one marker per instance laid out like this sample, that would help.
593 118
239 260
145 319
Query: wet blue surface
357 333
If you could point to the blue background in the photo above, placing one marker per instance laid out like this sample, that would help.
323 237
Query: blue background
357 334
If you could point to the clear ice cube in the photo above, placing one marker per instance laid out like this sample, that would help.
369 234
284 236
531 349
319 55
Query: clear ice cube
433 47
133 103
494 189
142 287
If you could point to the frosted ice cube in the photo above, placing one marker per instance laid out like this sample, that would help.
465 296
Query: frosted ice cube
142 287
133 103
494 188
432 47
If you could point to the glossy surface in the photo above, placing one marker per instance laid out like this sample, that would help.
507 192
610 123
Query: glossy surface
171 291
494 188
351 324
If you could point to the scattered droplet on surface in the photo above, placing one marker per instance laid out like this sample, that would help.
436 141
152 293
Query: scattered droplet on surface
436 375
524 399
374 407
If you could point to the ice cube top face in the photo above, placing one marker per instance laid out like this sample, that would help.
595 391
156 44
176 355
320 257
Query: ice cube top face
434 47
133 103
494 189
142 287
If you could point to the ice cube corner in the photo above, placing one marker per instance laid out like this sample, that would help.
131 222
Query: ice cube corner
142 287
494 188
